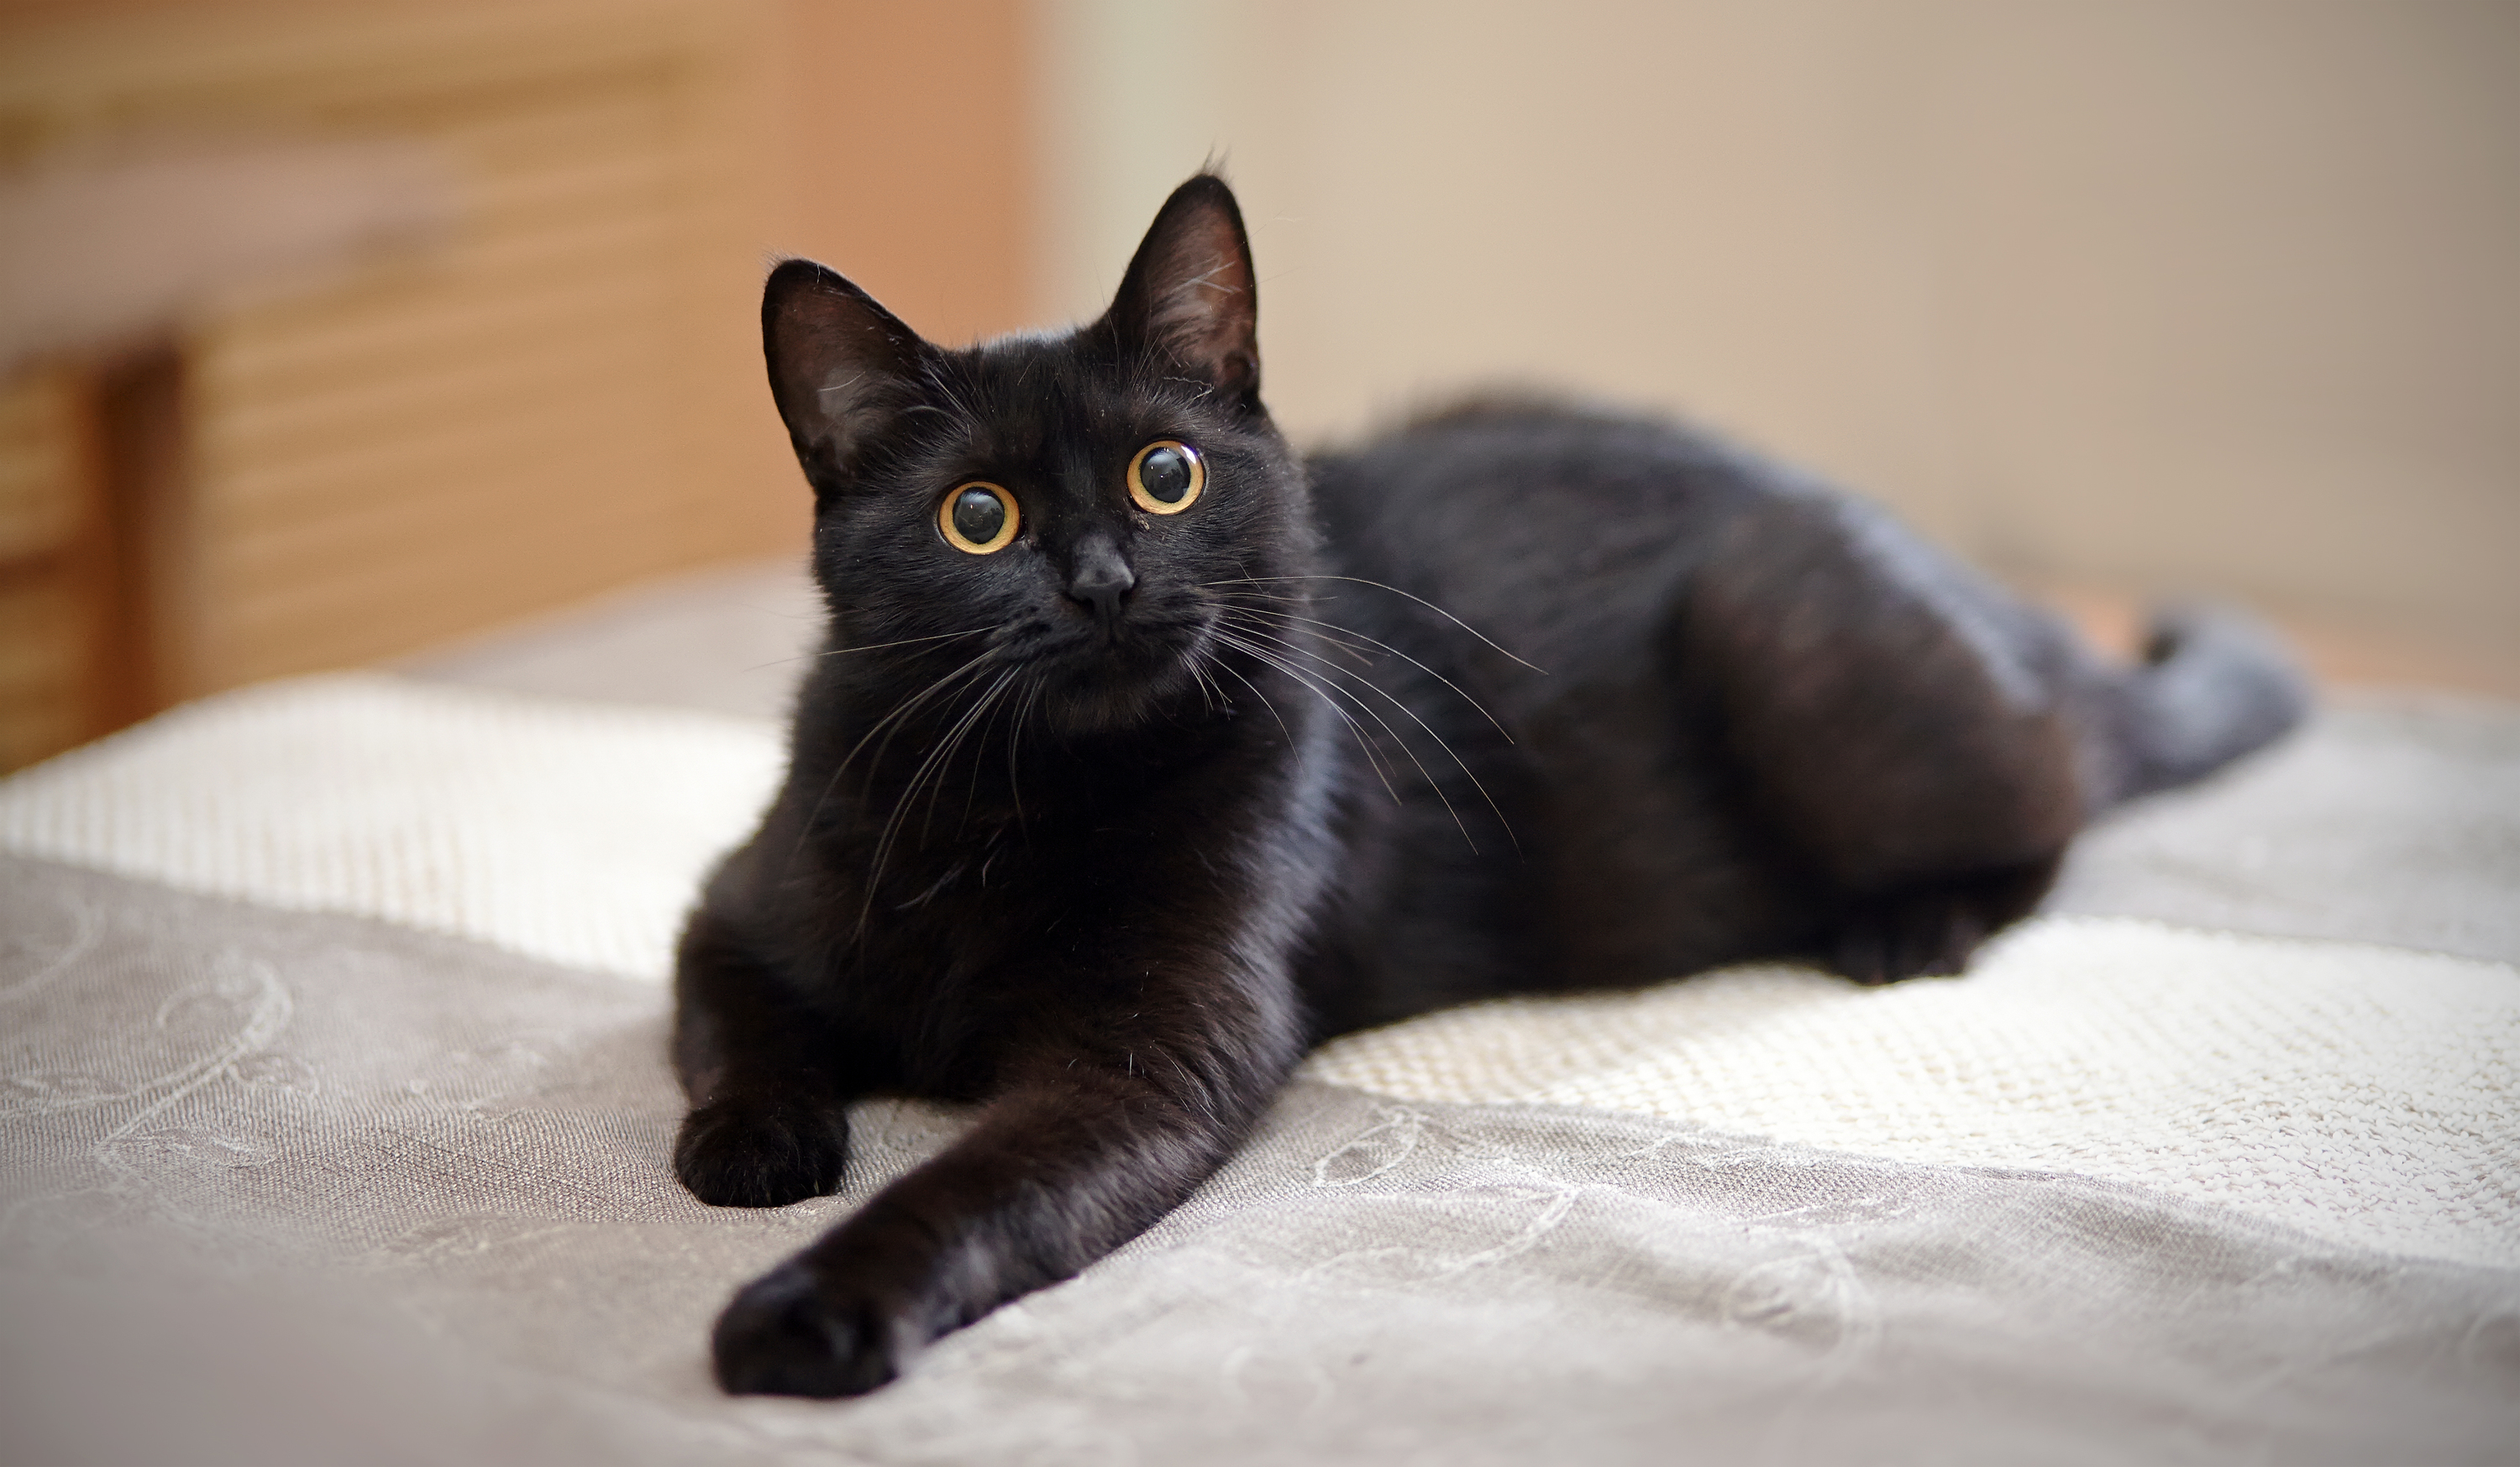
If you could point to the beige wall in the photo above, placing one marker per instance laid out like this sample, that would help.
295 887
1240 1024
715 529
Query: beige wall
2156 294
2146 294
904 166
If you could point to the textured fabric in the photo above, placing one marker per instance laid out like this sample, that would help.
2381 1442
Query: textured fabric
576 832
2370 1095
2390 818
2363 1092
292 1189
390 1185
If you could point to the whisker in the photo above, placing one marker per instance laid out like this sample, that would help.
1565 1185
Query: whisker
1441 743
975 731
940 759
843 651
1211 698
972 789
1397 652
891 721
1323 691
1395 591
900 711
1235 675
1353 649
877 646
1014 744
935 761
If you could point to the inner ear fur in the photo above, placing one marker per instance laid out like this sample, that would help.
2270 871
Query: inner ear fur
840 364
1190 293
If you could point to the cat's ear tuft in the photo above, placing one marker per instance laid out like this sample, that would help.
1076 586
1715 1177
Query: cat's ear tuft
841 365
1190 293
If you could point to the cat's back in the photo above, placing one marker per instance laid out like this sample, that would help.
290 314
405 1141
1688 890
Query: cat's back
1559 528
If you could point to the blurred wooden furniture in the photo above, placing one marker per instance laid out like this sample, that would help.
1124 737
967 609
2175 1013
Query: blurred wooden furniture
101 266
59 638
558 394
551 402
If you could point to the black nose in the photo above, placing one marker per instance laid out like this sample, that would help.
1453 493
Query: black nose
1100 579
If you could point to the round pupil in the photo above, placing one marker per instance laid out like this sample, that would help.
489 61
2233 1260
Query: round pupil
979 516
1165 475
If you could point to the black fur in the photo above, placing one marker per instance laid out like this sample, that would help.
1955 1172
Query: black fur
1105 828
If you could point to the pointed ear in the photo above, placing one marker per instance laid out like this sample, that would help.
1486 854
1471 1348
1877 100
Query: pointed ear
841 365
1190 294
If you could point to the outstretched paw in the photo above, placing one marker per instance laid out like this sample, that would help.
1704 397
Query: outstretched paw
781 1337
749 1151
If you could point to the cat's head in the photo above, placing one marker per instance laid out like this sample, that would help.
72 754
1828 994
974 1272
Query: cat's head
1080 507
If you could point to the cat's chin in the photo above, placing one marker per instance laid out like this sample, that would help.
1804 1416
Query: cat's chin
1108 687
1112 701
1115 695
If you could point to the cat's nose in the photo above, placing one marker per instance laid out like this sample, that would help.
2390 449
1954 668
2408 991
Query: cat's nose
1100 579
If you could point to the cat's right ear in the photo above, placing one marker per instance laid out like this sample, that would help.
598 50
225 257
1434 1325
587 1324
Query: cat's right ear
841 365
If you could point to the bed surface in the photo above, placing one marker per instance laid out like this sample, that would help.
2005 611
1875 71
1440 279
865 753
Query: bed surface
337 1116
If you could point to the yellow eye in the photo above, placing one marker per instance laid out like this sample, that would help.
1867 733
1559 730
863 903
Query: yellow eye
978 517
1166 476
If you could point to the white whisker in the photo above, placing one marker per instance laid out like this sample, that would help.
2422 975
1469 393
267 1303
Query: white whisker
1328 668
1395 591
843 651
1324 691
889 719
1395 651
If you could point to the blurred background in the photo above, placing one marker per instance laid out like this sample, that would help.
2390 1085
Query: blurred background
331 335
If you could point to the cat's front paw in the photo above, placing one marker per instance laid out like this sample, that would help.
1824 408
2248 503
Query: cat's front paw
749 1151
782 1337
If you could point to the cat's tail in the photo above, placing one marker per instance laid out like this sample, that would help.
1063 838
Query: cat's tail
2213 685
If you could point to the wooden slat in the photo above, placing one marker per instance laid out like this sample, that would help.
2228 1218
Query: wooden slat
406 333
42 650
217 58
513 419
414 597
54 605
304 430
39 469
473 490
561 394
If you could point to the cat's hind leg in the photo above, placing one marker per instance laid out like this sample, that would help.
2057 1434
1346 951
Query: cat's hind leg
1933 928
1891 721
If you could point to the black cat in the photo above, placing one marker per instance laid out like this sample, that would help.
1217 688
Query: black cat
1136 763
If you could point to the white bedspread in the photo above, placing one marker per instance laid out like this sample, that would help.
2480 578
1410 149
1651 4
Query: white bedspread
2366 1093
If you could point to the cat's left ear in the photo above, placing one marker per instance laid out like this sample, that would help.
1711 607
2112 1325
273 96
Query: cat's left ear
841 367
1189 295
